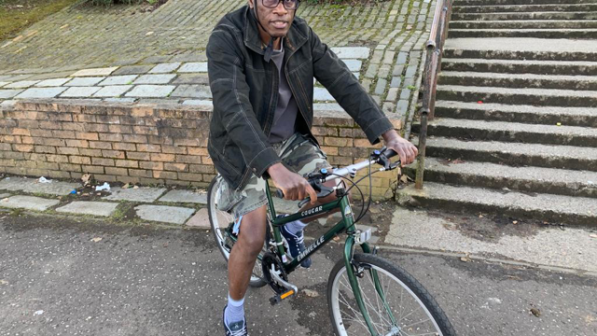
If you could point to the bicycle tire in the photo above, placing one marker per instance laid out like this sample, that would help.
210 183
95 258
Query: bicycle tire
408 284
225 244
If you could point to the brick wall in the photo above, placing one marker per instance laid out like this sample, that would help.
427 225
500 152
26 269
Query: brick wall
146 144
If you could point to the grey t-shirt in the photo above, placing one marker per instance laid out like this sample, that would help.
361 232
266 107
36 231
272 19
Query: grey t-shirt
286 111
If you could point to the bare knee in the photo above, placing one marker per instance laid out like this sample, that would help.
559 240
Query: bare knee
252 231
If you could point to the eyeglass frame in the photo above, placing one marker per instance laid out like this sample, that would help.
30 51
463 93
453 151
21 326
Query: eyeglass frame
283 3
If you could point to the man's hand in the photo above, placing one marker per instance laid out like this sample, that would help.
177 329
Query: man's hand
294 186
405 149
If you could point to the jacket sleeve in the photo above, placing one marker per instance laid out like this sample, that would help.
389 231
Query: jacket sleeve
231 103
333 73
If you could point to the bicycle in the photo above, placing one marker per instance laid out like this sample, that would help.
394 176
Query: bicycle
366 294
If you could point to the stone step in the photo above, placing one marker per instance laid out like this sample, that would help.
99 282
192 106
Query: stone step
512 132
576 68
518 80
517 24
519 2
581 15
574 7
548 115
515 154
496 176
551 208
535 97
521 54
539 33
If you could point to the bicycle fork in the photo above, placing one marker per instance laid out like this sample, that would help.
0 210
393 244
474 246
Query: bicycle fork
352 277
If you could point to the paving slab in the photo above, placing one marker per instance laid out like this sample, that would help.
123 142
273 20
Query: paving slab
564 247
118 80
31 185
4 195
5 94
120 100
165 67
200 219
195 102
143 195
185 196
321 94
154 79
21 84
104 209
353 65
192 78
94 72
88 81
53 82
113 91
192 91
41 93
3 83
28 202
193 67
80 91
158 91
351 52
162 213
133 70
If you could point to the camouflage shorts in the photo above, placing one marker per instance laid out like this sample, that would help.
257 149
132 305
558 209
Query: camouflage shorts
299 154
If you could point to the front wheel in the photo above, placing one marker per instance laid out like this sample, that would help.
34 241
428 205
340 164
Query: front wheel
397 304
221 224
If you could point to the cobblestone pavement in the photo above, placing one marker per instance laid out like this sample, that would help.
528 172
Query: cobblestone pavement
145 56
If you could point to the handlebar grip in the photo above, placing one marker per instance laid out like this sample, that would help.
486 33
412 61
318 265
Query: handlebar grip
389 153
279 193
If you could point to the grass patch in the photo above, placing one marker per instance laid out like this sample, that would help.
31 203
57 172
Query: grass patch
16 15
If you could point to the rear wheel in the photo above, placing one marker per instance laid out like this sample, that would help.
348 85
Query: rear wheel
397 305
221 225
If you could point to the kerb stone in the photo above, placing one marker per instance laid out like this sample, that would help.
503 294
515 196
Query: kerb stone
143 195
166 214
192 91
41 93
104 209
193 67
28 202
184 196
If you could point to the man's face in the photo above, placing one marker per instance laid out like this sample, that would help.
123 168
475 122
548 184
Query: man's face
276 21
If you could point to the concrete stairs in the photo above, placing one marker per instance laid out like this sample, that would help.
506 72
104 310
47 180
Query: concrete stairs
574 19
516 120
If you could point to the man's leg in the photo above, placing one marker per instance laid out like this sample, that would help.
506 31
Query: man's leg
241 262
245 251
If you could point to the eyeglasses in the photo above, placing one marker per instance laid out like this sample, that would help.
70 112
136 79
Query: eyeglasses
288 4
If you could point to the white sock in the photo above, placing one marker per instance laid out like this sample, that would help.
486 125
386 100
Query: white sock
295 226
235 311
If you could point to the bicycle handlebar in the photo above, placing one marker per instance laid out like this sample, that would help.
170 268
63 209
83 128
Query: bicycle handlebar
381 157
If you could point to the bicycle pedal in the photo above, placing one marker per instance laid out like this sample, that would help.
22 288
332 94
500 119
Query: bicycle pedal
280 297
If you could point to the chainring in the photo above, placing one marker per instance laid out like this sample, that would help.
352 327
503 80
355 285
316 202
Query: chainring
267 261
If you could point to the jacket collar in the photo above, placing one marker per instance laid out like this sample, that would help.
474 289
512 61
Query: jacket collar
294 39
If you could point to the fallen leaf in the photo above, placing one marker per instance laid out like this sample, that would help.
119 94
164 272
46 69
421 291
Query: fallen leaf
465 258
65 26
3 282
136 187
336 238
593 236
515 222
149 33
310 293
559 124
126 186
404 179
96 239
85 178
536 312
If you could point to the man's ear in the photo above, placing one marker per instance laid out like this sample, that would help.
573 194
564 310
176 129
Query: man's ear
251 4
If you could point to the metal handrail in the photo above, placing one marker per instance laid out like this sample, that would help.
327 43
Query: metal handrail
435 47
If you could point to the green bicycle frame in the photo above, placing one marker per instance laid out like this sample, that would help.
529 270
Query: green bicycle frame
346 224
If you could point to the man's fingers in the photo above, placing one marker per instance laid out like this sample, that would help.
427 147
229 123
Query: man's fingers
312 194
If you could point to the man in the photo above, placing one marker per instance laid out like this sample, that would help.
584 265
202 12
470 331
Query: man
261 64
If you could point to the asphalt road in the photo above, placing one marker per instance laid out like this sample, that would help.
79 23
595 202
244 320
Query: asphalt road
150 280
